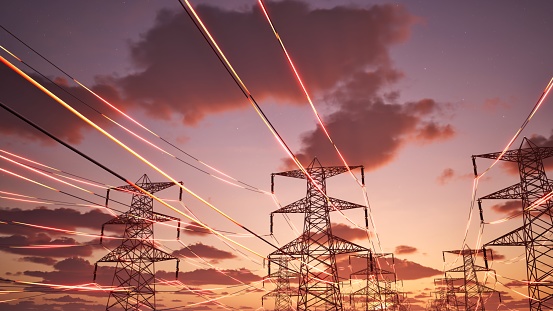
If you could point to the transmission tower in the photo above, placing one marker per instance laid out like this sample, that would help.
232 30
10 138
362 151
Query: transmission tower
445 298
135 257
317 247
283 292
374 295
534 189
470 286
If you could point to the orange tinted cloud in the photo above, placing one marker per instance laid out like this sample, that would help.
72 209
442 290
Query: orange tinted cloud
405 249
178 73
205 251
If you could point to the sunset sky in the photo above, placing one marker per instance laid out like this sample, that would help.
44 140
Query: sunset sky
409 89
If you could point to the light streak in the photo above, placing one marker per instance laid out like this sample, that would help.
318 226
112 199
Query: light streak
44 174
247 186
540 201
534 110
27 179
321 123
509 144
81 180
121 144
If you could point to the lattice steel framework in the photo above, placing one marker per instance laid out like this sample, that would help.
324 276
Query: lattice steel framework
135 257
534 189
283 293
317 247
445 298
470 286
374 295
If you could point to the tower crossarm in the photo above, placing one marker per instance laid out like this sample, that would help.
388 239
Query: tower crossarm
328 171
342 246
131 218
375 271
150 187
486 289
288 292
513 238
293 249
512 192
343 205
125 254
296 207
514 155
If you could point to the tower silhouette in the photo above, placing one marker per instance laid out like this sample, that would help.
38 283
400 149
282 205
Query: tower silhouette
535 191
375 296
135 257
317 247
445 298
470 286
283 292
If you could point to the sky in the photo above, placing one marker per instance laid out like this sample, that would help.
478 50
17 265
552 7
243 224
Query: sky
408 89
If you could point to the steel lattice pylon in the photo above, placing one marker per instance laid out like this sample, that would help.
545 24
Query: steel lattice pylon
445 300
470 286
317 248
283 292
537 218
135 257
374 295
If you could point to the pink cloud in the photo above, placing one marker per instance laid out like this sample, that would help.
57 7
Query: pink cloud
349 233
64 218
511 208
494 104
212 276
205 251
405 249
164 54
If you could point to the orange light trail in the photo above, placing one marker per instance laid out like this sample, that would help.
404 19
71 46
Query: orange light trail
246 186
28 160
27 179
213 44
144 160
478 177
296 73
82 180
44 174
529 208
534 110
321 123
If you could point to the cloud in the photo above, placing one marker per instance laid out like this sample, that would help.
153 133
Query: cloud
59 247
222 277
404 269
205 251
70 271
404 249
173 50
33 104
67 298
40 260
32 306
65 218
495 104
446 176
492 254
77 271
449 174
385 129
194 228
349 233
409 270
542 141
511 208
